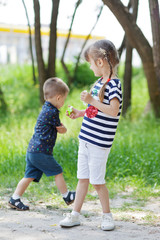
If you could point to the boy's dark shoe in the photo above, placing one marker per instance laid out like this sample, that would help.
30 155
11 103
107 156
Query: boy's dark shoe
70 198
17 204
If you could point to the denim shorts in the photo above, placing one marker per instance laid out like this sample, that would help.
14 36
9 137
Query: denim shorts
39 163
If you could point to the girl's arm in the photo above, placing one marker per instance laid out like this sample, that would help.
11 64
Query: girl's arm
112 109
75 113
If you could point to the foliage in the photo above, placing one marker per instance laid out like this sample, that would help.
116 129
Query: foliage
134 156
84 76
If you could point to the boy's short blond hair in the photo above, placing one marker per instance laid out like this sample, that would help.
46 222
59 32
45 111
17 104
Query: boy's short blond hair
54 86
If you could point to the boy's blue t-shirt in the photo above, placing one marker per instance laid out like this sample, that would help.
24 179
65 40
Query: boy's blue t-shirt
45 132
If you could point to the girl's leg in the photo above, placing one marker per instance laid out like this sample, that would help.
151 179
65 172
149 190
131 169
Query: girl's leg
22 186
107 220
103 196
72 219
81 191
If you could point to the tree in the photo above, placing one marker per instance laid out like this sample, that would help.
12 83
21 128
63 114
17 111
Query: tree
30 42
69 76
140 43
128 64
66 43
53 40
86 40
3 105
155 23
43 71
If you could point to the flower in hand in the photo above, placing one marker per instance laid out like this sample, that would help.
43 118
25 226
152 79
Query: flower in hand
70 108
91 111
72 112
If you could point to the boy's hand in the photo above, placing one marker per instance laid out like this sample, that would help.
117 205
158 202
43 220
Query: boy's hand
61 129
86 97
75 113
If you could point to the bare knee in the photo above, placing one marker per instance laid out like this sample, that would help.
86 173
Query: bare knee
98 187
59 176
83 181
27 180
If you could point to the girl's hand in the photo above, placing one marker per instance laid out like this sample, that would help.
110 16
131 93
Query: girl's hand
86 97
75 113
61 129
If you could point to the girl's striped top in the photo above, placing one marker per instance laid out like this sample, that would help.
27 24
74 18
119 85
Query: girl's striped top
100 130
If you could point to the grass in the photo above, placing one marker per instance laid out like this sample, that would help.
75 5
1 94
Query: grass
134 158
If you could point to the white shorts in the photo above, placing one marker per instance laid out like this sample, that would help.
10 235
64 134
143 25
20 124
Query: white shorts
92 162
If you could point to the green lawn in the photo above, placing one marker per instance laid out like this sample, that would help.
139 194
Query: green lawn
134 158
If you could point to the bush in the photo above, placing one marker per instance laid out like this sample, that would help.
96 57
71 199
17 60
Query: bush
84 76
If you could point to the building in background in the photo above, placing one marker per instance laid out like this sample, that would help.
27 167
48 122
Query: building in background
14 44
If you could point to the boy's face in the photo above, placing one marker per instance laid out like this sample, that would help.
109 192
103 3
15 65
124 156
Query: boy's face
60 100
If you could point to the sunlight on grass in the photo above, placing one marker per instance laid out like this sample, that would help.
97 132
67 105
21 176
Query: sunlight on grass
134 158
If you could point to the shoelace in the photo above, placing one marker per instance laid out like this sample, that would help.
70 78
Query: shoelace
108 218
67 215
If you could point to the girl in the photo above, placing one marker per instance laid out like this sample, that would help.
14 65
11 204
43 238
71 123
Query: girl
98 130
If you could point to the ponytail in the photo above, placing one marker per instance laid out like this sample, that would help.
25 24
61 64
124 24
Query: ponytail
102 90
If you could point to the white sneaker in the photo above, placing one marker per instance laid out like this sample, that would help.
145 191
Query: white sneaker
70 221
107 222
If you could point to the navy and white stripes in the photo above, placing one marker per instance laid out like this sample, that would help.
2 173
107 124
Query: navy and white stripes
100 130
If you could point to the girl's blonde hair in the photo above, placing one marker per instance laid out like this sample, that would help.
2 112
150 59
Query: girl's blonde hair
103 49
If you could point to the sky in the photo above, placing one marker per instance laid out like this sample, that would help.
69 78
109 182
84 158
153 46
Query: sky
13 13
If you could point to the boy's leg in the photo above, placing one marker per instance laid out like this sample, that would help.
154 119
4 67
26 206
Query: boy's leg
68 196
22 186
73 219
107 220
15 201
60 183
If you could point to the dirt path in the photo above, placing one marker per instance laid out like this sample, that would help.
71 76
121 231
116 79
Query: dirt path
42 222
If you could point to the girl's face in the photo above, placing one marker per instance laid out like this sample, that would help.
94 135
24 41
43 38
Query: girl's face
96 66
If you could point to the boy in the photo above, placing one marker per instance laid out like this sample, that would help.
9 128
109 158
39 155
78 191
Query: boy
39 158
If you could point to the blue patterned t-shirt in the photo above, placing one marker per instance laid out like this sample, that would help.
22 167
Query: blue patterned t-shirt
45 132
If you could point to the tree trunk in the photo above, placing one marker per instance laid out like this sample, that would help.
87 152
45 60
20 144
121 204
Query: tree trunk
70 78
122 47
127 86
155 23
138 41
53 40
85 42
30 43
127 79
3 105
40 62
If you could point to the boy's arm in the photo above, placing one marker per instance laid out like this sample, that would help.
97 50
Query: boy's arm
61 129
